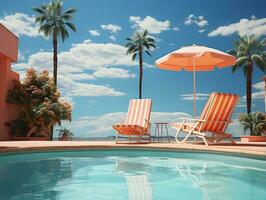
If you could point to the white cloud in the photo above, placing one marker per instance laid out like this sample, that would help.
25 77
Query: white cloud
257 95
260 93
259 85
82 76
74 64
111 27
112 37
151 24
82 56
235 128
21 56
148 65
199 96
91 123
197 20
86 89
175 28
241 104
94 32
253 26
168 116
113 73
21 24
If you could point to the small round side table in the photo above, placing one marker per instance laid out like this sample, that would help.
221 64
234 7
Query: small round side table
160 128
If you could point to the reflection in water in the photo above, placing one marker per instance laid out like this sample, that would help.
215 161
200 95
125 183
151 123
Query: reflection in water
207 177
139 186
196 177
32 180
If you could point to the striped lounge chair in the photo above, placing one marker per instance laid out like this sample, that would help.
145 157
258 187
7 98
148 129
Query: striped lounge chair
213 121
136 125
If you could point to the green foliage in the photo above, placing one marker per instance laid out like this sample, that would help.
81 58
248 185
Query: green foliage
18 127
248 49
139 42
40 107
65 132
254 122
53 21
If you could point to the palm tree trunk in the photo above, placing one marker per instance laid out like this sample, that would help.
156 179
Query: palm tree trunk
55 57
249 86
54 70
140 73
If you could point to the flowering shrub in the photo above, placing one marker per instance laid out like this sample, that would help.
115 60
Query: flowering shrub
39 104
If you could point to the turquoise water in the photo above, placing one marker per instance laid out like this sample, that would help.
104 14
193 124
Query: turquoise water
134 175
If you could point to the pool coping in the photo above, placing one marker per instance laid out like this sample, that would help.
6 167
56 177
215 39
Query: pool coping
17 147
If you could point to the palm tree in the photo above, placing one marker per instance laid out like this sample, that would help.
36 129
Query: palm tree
137 44
54 22
249 52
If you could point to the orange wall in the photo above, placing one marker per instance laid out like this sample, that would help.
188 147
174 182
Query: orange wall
8 54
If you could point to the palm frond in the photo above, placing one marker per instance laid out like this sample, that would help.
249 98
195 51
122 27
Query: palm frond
71 26
39 10
260 61
64 33
46 29
134 56
70 11
239 63
148 53
53 20
232 52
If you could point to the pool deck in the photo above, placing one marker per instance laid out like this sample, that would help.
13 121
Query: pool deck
244 149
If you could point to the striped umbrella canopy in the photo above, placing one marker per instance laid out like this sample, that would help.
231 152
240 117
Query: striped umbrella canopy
195 58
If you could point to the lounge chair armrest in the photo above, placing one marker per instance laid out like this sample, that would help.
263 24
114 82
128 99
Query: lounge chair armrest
222 122
194 119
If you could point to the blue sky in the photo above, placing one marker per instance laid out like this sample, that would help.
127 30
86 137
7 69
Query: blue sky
98 77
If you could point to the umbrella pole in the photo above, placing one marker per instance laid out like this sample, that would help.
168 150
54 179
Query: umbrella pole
195 97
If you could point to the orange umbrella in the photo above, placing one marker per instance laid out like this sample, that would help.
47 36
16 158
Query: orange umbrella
195 58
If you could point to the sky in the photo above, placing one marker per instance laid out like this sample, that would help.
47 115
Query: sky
97 77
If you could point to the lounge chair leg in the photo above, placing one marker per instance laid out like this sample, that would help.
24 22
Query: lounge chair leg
178 131
185 138
117 135
233 142
190 132
176 136
205 141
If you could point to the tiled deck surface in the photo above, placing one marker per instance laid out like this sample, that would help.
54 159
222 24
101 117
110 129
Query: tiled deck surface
24 146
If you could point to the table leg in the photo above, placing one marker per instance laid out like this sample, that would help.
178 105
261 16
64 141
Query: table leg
158 133
155 132
161 133
166 128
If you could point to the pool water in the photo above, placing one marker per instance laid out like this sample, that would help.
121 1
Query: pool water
131 174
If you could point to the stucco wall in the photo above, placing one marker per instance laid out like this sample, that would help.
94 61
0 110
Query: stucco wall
8 54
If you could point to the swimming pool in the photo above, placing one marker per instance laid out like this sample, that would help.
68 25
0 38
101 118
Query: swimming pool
130 174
